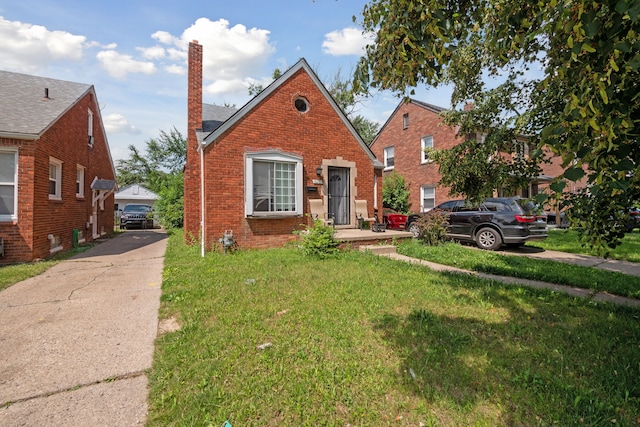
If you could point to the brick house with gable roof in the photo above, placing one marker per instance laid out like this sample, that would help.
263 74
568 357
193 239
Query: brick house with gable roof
253 170
415 125
56 172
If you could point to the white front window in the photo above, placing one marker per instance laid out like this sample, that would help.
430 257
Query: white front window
426 142
8 185
80 181
273 184
389 157
427 197
55 179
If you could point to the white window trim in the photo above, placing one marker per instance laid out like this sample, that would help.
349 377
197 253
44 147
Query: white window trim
424 157
80 193
14 215
271 156
387 168
58 179
422 191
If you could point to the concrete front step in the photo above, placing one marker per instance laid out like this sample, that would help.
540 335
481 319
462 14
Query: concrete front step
379 249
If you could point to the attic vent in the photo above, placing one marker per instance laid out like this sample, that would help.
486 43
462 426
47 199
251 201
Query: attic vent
301 104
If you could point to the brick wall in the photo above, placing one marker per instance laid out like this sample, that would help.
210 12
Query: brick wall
407 149
66 140
275 124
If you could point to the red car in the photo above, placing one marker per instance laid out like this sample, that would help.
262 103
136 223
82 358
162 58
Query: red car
394 220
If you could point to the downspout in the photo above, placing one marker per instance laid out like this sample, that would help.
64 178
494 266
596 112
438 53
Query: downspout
202 245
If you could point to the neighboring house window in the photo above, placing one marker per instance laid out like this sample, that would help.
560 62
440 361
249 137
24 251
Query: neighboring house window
80 181
425 142
389 157
405 121
55 179
8 185
273 183
427 197
90 128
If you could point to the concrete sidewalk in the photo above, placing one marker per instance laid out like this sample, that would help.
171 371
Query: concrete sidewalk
76 340
584 260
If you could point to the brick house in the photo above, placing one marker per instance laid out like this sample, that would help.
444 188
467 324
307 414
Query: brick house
414 126
56 172
262 163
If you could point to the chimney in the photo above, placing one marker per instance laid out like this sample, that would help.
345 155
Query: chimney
194 91
468 106
192 206
46 94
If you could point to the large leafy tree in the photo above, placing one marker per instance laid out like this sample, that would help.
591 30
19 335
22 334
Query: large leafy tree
563 72
159 168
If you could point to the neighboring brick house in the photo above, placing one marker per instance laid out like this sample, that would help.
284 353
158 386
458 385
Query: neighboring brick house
263 162
413 126
56 172
416 125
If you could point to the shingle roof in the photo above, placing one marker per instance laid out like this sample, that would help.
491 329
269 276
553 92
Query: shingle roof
212 117
24 110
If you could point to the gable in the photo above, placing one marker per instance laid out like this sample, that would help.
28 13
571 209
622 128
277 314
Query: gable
283 98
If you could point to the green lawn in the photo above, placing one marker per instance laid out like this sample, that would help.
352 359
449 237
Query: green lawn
568 241
363 340
501 263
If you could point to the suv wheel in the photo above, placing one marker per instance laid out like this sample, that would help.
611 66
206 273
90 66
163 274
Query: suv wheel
414 230
488 238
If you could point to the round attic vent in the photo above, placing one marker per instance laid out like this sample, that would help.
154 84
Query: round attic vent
301 104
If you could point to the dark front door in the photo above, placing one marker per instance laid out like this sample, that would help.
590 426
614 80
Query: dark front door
339 195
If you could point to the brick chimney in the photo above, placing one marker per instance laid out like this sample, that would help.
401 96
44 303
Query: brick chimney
194 122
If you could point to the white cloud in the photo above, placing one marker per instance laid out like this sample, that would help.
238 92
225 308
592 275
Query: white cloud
154 52
231 55
176 69
348 41
119 65
117 123
25 47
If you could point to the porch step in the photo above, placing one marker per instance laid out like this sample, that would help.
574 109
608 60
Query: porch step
379 249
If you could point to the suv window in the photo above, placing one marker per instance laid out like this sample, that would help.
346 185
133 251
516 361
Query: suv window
448 206
495 206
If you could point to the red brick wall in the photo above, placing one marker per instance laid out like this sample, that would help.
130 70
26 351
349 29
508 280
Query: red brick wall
407 149
275 124
66 140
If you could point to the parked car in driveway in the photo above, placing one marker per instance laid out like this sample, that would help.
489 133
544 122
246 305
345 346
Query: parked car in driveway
136 215
502 220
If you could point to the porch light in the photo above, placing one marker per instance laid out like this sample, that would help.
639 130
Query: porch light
319 170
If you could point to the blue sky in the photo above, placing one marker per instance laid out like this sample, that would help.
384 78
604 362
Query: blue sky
134 53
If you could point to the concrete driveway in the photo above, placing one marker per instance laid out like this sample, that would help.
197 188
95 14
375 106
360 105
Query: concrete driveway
76 340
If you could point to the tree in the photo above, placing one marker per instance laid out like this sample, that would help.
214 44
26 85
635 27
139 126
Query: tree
395 194
160 169
583 102
342 92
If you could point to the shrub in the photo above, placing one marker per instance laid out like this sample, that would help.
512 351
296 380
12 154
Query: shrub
433 227
395 194
318 240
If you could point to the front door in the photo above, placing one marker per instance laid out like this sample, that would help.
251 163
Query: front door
339 197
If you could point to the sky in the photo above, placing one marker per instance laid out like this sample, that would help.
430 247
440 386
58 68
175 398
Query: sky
134 52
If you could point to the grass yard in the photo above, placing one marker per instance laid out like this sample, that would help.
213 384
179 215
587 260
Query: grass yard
366 341
568 241
500 263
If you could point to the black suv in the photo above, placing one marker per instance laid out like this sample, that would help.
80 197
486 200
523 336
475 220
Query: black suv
497 221
136 216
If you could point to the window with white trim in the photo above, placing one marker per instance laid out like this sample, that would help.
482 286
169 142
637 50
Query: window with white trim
8 184
405 120
273 184
426 142
80 181
389 157
55 179
427 197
